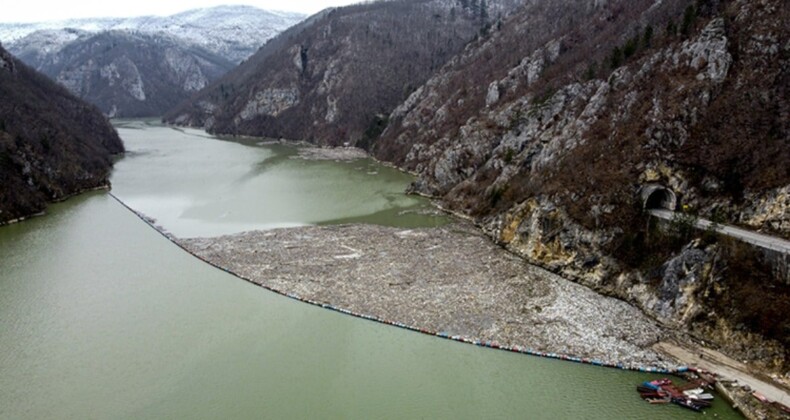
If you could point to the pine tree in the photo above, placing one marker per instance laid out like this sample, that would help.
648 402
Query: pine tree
672 29
616 59
689 17
591 71
630 47
647 38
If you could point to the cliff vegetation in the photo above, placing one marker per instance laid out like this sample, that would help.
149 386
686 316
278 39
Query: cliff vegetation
52 144
556 126
335 78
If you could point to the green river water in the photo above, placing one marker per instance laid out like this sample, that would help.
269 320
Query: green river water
102 317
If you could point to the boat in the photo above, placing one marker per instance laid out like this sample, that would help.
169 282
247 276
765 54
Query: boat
641 389
687 404
702 403
705 397
649 385
647 395
662 391
694 383
662 400
656 384
694 391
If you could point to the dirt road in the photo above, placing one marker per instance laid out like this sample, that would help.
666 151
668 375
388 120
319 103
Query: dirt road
754 238
725 367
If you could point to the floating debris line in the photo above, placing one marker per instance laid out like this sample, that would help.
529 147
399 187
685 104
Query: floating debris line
458 338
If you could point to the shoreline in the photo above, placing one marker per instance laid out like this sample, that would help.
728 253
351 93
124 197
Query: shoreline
532 311
563 331
107 187
735 397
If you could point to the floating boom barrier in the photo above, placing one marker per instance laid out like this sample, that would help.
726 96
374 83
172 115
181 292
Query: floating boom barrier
461 339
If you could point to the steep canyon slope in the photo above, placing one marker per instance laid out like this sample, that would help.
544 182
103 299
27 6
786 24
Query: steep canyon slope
337 77
549 130
52 144
128 74
556 125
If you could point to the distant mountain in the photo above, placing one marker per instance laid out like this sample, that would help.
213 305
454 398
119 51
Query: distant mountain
52 144
233 32
143 66
126 74
335 78
37 47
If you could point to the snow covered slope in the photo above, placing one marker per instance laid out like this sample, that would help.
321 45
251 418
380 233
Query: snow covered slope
234 32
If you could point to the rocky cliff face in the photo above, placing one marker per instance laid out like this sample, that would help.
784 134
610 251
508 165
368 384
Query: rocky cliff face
336 78
52 144
554 127
128 74
547 130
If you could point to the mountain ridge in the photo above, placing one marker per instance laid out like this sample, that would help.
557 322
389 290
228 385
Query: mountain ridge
343 72
234 32
559 154
143 66
129 74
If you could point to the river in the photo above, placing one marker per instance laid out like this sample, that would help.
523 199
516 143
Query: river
102 317
194 185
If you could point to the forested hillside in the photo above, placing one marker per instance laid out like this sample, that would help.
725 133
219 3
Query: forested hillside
549 131
338 76
556 126
52 144
129 74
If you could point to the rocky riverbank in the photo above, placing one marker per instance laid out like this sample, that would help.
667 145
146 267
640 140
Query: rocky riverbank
450 279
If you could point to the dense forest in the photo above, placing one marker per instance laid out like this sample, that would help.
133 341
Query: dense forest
52 144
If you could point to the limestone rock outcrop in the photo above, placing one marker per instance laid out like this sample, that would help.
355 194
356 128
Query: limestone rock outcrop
546 134
329 79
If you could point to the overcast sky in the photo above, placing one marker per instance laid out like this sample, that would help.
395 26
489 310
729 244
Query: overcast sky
43 10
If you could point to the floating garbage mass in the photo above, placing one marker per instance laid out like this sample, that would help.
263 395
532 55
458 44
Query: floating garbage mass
462 339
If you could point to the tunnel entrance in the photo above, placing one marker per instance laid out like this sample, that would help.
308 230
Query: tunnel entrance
656 196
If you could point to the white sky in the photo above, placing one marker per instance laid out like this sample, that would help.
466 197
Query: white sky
44 10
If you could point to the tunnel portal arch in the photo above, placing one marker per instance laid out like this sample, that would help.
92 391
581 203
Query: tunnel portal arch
656 196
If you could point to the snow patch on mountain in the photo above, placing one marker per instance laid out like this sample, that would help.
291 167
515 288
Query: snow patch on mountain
186 69
234 32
